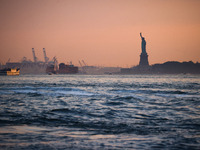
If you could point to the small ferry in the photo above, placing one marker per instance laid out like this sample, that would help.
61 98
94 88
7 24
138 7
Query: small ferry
10 72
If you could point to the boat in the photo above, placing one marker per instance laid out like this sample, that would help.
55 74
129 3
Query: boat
63 69
67 69
10 71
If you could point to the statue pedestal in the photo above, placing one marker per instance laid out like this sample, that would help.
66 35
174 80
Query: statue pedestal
144 60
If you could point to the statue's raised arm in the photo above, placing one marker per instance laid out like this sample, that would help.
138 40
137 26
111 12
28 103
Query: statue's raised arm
143 44
141 34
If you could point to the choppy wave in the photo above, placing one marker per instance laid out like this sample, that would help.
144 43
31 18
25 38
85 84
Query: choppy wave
100 112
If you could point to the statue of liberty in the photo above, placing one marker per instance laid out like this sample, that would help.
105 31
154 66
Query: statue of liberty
143 56
143 44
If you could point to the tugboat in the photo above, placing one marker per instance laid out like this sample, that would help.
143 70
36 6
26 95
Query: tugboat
10 72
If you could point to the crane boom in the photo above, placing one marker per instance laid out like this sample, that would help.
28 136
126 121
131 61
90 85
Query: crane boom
34 57
84 63
46 59
80 63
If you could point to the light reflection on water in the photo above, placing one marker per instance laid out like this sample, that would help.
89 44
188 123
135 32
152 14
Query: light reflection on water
100 112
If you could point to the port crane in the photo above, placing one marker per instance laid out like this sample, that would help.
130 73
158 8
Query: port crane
80 63
84 63
55 61
83 67
46 59
34 57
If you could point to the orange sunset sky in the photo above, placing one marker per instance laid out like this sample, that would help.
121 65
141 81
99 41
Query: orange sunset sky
101 32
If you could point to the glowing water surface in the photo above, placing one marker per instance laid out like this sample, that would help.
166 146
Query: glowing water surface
100 112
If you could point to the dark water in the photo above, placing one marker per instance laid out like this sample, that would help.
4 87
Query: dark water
100 112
